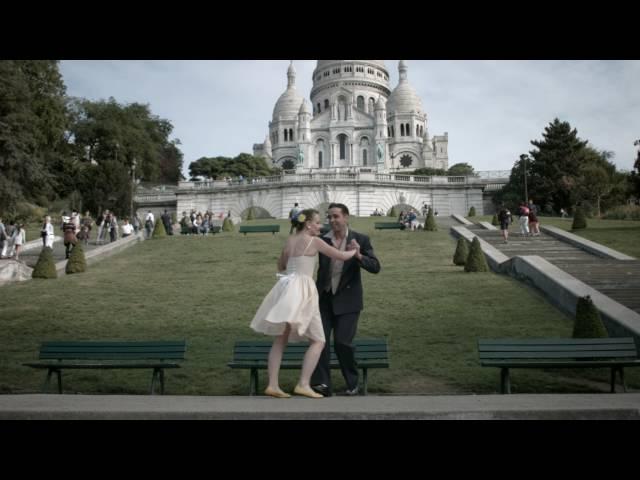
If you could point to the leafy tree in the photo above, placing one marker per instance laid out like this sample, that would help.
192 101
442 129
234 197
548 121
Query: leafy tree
244 164
45 266
462 251
579 219
460 169
588 323
33 124
77 262
476 261
435 172
634 178
430 222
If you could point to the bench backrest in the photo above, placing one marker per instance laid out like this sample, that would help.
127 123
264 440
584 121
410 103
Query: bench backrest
170 350
259 228
387 225
368 351
556 348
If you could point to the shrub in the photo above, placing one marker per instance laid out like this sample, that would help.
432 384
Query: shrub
76 263
46 266
494 220
430 223
472 212
462 252
250 215
476 261
392 212
623 212
588 323
227 225
158 230
579 219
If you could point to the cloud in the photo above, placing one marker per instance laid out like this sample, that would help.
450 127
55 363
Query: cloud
490 109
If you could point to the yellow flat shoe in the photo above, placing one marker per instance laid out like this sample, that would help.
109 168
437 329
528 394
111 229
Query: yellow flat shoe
306 392
275 393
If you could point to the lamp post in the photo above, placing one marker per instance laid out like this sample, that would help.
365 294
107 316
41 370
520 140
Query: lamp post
133 185
526 194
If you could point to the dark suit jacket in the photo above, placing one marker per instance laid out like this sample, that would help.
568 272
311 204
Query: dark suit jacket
348 296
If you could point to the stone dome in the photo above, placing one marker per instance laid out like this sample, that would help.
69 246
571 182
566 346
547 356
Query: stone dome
288 105
324 63
403 98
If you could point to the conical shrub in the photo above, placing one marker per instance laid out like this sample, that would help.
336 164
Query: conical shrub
393 212
462 252
227 225
579 219
46 266
588 322
430 222
472 212
76 263
494 220
159 231
250 215
476 261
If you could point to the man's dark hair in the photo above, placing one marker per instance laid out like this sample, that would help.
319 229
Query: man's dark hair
295 204
341 206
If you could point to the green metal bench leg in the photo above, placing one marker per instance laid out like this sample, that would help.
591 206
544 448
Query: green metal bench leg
162 381
364 381
613 380
45 385
505 381
59 372
253 381
153 380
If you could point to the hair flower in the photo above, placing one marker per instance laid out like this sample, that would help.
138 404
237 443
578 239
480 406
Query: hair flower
301 218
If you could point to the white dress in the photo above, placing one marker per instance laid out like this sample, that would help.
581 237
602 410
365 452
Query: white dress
293 300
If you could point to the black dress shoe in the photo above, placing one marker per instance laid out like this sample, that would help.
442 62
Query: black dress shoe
322 389
352 392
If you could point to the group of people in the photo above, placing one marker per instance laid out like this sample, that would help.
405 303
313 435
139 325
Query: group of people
297 308
527 219
197 223
12 237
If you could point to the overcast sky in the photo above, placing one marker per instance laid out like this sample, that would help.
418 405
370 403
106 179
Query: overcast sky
491 109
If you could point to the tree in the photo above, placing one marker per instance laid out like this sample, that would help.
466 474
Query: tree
588 323
77 262
159 230
634 178
430 222
227 225
476 261
33 124
462 252
579 219
431 172
45 266
460 169
472 212
243 164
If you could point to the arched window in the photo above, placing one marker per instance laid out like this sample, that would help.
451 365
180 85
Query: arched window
361 103
364 157
320 158
319 107
342 138
407 130
372 103
326 103
402 129
291 134
388 131
320 150
393 131
417 130
286 134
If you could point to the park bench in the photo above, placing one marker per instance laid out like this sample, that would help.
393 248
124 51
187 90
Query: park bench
614 353
259 228
156 355
252 355
388 226
215 229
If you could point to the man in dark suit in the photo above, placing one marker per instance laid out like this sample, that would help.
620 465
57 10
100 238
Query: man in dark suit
340 290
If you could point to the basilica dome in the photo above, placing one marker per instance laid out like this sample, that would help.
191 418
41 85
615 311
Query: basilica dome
403 98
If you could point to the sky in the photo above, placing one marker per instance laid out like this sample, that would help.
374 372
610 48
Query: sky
491 109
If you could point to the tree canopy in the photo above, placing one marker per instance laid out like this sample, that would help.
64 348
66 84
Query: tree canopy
244 164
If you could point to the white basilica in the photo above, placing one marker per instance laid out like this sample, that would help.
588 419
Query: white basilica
355 122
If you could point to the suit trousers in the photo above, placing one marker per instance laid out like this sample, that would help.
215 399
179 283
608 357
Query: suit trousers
344 331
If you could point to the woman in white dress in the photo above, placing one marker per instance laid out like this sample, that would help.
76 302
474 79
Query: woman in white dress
290 311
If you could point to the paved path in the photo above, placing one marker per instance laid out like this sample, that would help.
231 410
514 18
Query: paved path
618 279
620 406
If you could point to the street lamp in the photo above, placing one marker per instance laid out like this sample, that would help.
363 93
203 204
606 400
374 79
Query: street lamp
523 158
133 184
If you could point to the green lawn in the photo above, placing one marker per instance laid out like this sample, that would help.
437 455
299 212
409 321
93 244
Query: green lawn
621 235
207 289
